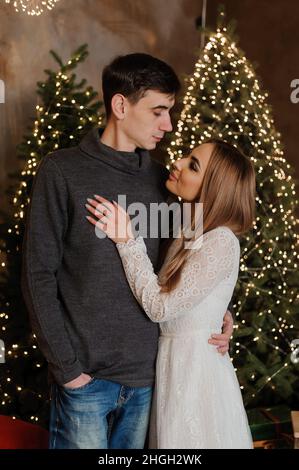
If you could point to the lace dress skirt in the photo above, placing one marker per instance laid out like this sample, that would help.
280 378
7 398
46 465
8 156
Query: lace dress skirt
197 400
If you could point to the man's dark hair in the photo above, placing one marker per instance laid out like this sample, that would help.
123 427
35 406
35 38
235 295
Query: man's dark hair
133 74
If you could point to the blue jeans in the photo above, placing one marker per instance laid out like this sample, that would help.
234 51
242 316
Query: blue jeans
99 415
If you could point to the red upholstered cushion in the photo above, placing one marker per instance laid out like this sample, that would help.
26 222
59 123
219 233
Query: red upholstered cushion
17 434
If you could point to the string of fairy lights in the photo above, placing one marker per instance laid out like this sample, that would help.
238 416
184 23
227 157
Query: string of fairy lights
21 200
222 61
32 7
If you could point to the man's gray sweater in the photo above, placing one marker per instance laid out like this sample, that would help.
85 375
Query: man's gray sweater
82 310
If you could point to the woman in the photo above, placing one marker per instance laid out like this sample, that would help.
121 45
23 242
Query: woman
197 400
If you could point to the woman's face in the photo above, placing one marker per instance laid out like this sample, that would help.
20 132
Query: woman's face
187 174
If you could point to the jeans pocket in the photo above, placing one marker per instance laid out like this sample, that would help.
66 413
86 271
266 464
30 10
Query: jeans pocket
78 389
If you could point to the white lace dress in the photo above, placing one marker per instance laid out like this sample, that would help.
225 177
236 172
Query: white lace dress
197 401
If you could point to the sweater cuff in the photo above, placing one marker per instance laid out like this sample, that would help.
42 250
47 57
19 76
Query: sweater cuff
67 374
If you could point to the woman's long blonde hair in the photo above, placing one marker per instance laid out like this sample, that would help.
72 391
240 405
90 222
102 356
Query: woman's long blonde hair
228 196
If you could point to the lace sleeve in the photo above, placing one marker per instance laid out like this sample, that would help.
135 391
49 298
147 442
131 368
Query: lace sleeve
204 269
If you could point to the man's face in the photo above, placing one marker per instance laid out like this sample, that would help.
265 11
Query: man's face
146 121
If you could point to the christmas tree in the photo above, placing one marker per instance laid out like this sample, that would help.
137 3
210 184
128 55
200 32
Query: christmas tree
224 99
67 109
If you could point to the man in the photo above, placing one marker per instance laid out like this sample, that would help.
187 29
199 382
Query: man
100 346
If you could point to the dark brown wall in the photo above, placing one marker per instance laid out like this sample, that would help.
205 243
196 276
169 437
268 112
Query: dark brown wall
268 31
